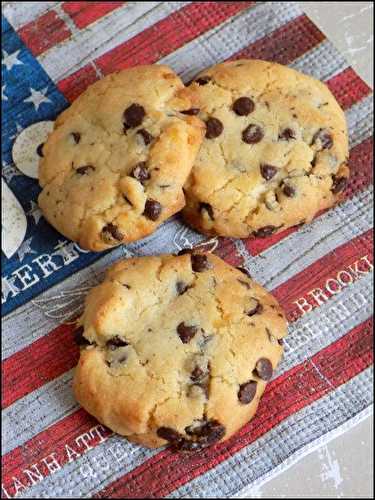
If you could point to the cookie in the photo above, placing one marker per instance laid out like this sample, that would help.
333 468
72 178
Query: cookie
113 168
177 349
274 154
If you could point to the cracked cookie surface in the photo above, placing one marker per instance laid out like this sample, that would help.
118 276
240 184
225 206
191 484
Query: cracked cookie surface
113 168
274 154
177 349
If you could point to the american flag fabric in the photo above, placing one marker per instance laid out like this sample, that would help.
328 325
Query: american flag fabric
321 273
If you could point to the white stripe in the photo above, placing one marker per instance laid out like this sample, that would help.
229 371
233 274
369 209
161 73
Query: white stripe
322 62
360 120
221 42
229 477
315 424
21 13
108 32
37 411
297 251
97 468
317 329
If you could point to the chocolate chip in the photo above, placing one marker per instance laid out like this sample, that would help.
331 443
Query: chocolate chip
325 138
122 359
280 341
263 368
184 251
39 150
191 111
203 80
76 137
197 374
133 115
169 434
247 392
245 284
187 446
112 230
214 128
140 172
84 170
339 184
152 209
116 342
208 208
268 171
208 433
245 271
200 262
181 287
287 134
256 309
201 436
79 339
265 231
289 191
243 106
185 332
252 134
147 137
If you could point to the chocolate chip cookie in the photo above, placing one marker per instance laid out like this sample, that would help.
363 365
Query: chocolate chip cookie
274 154
177 349
113 168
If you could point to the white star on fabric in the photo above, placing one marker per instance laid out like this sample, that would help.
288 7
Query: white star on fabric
10 171
10 60
37 98
34 212
3 96
24 249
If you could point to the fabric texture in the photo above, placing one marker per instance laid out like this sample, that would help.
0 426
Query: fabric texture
321 273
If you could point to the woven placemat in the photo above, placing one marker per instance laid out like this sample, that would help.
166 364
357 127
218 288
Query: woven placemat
320 273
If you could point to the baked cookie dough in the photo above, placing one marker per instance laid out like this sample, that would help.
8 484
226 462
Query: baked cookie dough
274 154
177 349
113 168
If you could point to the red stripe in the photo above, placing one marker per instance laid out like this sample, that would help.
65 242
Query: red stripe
46 367
316 275
286 43
361 167
289 393
293 390
43 360
361 164
85 13
43 33
226 250
155 42
348 88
